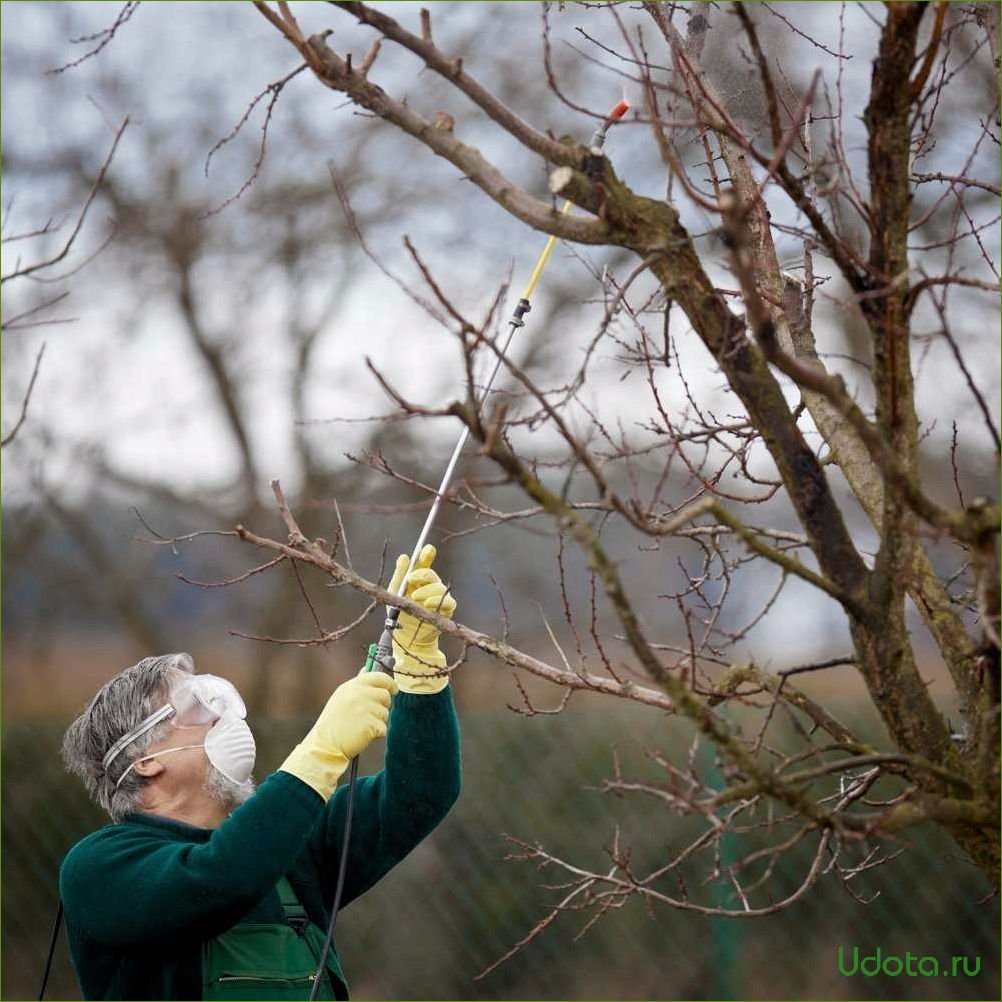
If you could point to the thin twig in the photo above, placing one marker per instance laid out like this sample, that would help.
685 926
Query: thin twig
9 437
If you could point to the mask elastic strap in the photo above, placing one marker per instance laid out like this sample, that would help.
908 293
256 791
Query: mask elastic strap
166 751
165 711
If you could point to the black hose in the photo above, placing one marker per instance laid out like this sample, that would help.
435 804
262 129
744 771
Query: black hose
382 660
52 949
339 888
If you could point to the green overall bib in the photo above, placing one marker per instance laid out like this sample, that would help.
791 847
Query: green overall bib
270 960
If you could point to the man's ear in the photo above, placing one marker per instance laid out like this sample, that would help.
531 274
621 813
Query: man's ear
149 767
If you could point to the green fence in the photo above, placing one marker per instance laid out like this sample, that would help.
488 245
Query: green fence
455 905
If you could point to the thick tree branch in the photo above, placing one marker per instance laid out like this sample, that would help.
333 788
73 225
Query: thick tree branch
647 226
966 526
310 553
337 74
452 69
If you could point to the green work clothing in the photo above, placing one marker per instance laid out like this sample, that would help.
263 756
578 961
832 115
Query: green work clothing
270 960
143 896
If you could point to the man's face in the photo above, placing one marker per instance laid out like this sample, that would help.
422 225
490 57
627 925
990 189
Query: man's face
187 769
178 766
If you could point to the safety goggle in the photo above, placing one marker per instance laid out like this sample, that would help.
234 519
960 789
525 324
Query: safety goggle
198 700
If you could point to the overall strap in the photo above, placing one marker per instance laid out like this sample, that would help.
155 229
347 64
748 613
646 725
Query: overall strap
295 913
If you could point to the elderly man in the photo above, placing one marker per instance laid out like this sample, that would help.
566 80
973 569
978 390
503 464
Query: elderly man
202 887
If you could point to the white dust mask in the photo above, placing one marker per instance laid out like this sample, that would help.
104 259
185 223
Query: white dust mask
230 747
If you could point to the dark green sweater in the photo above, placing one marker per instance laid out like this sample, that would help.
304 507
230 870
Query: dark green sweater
143 894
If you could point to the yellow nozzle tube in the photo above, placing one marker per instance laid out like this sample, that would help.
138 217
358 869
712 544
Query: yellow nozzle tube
598 139
537 272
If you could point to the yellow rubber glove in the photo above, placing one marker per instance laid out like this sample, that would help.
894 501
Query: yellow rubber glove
415 644
356 714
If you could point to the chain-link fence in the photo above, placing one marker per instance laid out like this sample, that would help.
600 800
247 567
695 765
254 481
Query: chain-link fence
454 906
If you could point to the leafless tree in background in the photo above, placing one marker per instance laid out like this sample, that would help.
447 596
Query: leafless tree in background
896 261
251 272
42 269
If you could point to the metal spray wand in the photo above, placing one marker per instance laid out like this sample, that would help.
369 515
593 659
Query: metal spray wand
380 655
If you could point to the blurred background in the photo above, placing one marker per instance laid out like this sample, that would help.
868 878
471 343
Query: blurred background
198 354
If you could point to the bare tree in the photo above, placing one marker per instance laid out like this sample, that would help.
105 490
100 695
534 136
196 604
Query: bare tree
792 188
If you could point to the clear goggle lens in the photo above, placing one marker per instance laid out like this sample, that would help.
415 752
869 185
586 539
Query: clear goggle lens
203 699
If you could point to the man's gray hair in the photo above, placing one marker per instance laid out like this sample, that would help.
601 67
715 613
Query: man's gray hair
119 706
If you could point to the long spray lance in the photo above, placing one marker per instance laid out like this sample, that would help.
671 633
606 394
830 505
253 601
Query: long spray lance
380 655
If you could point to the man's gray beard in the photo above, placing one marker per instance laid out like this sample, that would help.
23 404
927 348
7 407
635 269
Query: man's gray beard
224 790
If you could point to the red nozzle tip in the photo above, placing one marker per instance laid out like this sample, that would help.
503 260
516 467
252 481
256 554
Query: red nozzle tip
620 110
